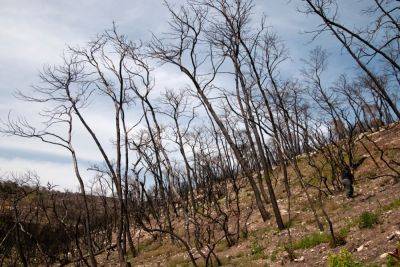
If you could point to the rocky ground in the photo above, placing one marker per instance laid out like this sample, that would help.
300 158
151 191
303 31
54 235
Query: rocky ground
370 245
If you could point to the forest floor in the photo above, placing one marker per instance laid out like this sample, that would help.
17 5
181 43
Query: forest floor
369 244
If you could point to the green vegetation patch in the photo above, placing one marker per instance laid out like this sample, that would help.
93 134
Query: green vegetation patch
257 251
256 248
393 205
392 261
311 240
367 220
342 259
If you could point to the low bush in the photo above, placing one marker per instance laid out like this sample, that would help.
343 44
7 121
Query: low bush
256 248
392 261
393 205
367 220
342 259
312 240
257 251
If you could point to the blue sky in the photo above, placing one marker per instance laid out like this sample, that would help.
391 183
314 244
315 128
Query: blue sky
34 34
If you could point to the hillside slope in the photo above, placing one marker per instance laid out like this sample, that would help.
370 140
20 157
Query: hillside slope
369 224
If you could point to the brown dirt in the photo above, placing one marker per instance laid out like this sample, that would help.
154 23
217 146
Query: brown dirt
375 192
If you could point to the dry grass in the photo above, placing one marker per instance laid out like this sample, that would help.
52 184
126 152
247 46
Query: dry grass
265 245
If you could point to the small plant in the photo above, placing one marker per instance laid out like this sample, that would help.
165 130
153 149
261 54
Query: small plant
367 220
312 240
344 231
393 205
256 248
392 261
257 251
244 233
342 259
274 255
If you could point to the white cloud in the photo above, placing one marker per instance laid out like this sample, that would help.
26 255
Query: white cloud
34 33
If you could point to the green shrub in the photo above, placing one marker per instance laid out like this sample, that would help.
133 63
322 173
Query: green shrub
344 231
310 241
393 205
342 259
367 220
256 248
257 251
392 261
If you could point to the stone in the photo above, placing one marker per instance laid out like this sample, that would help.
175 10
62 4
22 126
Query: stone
384 255
301 259
390 237
394 235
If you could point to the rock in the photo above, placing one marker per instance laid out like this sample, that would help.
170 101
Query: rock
390 237
360 248
301 259
394 235
384 255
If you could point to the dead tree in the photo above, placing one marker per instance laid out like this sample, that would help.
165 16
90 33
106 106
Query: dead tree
368 45
187 26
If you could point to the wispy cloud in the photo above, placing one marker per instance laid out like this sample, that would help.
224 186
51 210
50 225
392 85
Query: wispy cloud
34 33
